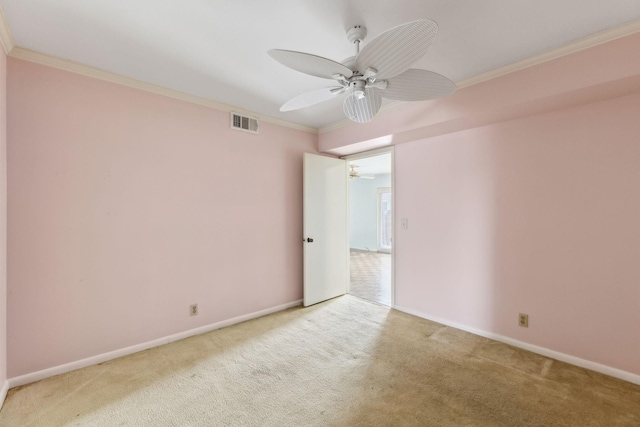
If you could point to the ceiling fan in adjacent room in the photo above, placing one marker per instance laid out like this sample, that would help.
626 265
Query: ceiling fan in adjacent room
353 173
380 70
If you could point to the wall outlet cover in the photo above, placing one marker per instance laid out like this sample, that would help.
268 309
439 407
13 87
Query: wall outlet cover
523 320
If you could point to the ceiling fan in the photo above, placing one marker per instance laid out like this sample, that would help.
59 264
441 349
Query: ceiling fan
353 173
380 70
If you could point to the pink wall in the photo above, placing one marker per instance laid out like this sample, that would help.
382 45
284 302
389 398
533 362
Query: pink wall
603 72
126 207
3 218
521 195
537 215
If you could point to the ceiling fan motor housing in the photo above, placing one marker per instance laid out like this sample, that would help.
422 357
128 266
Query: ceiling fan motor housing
381 69
358 87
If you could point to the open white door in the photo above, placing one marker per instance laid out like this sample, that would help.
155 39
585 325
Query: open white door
325 228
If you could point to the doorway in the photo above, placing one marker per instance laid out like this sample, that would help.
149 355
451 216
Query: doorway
371 226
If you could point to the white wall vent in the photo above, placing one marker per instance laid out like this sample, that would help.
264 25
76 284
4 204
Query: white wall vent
245 123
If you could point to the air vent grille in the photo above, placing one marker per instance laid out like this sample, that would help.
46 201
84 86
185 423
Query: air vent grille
244 123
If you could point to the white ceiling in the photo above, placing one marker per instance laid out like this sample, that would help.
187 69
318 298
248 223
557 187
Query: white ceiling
374 165
217 49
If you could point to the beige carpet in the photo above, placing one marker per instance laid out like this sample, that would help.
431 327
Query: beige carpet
345 362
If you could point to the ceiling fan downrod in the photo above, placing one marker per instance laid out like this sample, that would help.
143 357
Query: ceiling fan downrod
379 69
359 81
356 35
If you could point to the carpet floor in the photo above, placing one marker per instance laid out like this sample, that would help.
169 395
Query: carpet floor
345 362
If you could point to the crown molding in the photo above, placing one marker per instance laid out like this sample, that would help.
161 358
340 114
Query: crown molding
573 47
6 39
8 44
584 43
96 73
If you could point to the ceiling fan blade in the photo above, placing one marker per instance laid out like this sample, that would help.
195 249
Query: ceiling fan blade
367 176
397 49
310 64
418 85
364 109
314 97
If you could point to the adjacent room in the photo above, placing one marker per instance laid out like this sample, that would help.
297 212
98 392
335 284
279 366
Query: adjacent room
319 213
370 228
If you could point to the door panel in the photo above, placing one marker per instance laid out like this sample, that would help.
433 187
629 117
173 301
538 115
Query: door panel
325 228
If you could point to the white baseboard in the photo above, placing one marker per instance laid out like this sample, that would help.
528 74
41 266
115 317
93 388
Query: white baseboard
573 360
101 358
3 392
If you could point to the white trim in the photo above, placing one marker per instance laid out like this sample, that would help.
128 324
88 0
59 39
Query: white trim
96 73
587 42
563 357
394 229
6 38
581 44
381 191
101 358
369 153
3 392
347 214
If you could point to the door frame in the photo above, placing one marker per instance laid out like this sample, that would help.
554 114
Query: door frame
381 191
362 155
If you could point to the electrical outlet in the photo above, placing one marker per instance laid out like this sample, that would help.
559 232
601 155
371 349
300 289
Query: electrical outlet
193 309
523 320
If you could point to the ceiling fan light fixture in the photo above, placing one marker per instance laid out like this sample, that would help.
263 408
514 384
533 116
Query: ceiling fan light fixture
362 110
353 173
380 84
340 78
370 74
381 69
359 87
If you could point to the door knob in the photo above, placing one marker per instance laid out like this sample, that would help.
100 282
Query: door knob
309 239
